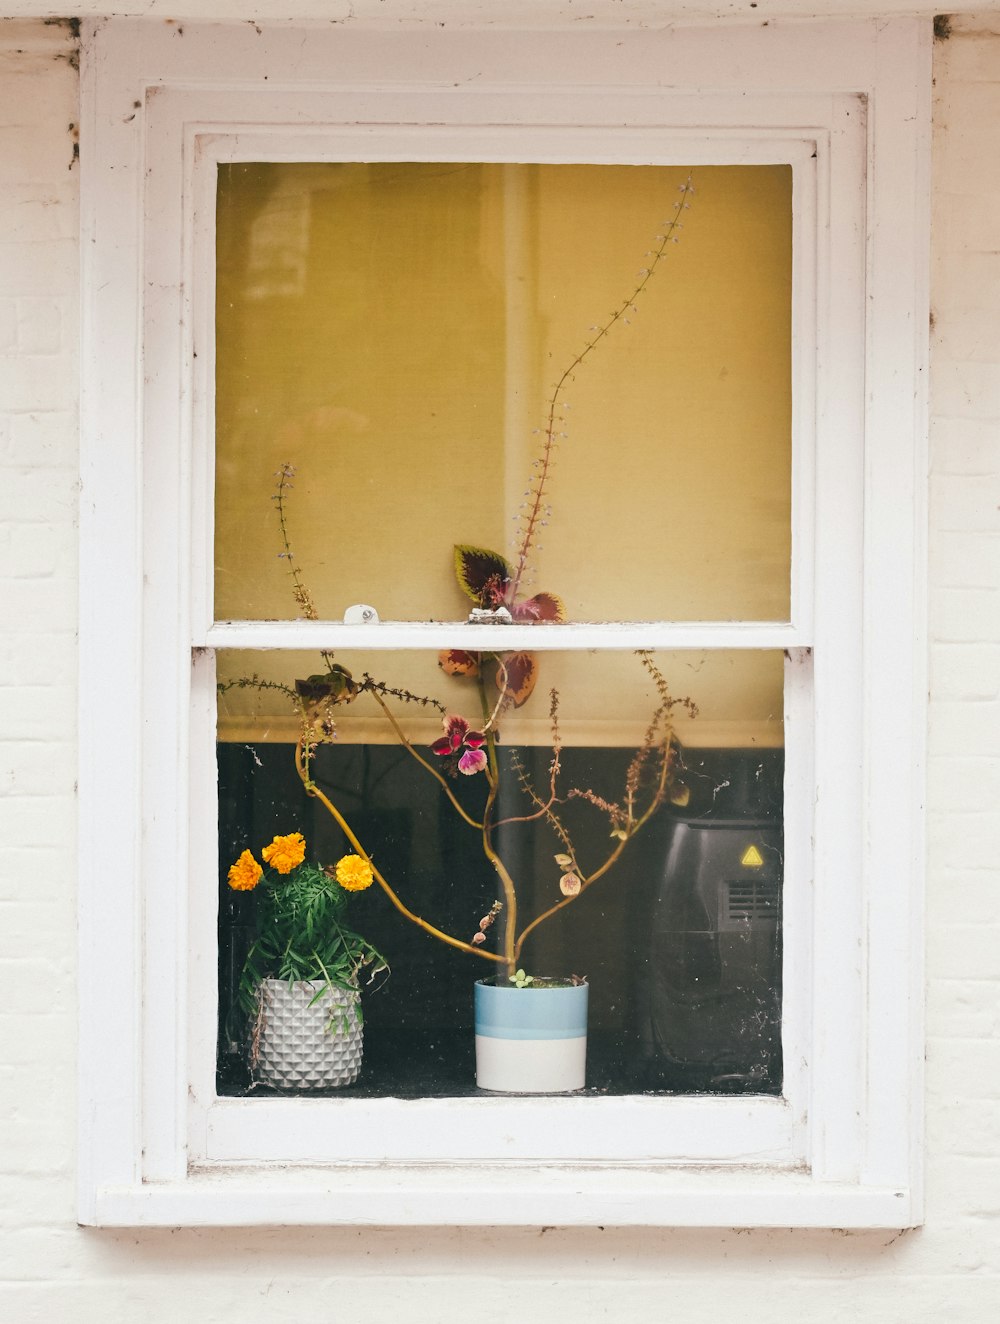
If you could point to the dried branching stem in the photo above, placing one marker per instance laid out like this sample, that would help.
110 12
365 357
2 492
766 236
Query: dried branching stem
302 768
536 492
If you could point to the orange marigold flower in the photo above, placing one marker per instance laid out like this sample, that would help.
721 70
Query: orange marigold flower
354 874
245 874
286 853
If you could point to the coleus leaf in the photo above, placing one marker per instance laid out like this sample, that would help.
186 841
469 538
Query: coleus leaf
457 662
521 674
482 575
680 794
336 685
542 607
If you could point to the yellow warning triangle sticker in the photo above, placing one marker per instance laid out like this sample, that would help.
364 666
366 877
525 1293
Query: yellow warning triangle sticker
751 858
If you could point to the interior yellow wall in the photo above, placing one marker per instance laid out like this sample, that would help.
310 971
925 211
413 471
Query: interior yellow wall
604 698
395 330
360 337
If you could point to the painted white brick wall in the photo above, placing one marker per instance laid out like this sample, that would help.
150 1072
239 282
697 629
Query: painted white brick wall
54 1272
38 610
963 1049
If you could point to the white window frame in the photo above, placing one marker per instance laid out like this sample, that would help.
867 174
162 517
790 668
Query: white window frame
848 103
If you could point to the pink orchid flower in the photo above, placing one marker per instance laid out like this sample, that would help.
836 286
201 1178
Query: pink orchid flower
459 736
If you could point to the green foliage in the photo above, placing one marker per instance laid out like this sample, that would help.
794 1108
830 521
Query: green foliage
302 934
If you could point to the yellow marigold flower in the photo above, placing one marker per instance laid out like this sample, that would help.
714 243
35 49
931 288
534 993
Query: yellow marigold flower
354 874
286 853
245 874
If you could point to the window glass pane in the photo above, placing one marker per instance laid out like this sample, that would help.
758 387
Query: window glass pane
400 333
680 940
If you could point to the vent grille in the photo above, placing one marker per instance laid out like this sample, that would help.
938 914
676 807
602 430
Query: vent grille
749 901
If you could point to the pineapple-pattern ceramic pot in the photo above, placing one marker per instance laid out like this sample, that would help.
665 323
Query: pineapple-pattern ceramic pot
308 1047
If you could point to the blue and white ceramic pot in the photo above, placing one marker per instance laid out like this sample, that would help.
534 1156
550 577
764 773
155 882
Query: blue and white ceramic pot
531 1040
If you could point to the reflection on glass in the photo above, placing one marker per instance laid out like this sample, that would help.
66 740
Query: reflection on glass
657 878
427 343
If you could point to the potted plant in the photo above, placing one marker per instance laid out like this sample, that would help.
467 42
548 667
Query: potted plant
530 1028
300 982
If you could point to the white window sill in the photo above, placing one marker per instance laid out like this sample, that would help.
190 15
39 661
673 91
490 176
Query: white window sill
502 1195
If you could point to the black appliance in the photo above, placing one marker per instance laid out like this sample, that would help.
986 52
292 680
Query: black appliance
710 1014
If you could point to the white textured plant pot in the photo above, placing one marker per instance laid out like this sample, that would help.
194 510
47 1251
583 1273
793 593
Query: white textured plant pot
303 1047
531 1040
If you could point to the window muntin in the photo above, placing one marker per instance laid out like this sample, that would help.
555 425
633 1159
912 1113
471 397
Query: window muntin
399 330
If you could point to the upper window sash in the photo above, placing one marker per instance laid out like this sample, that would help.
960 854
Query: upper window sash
647 145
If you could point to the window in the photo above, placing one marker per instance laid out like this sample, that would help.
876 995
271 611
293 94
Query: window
805 647
392 331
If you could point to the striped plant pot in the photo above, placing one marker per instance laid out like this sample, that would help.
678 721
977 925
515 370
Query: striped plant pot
531 1040
307 1045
